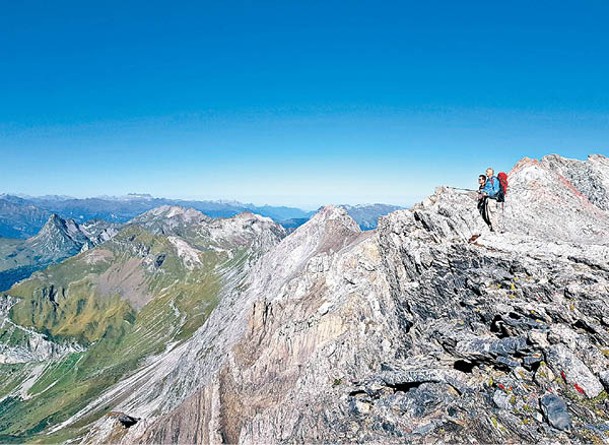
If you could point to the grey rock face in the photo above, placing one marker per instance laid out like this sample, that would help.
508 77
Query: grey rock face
555 410
407 333
604 378
573 370
502 400
543 202
590 178
99 231
60 238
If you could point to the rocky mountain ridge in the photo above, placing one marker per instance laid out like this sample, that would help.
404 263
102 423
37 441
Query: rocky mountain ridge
429 328
432 328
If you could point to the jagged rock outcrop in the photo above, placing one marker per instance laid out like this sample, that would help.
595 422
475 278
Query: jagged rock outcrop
59 239
99 231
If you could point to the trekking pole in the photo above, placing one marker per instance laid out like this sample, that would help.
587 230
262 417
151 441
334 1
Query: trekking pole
458 188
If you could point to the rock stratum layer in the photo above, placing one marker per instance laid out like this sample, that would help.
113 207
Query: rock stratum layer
430 328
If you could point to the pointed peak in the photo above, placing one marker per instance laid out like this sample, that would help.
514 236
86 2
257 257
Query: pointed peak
331 215
65 225
55 221
330 212
59 238
524 163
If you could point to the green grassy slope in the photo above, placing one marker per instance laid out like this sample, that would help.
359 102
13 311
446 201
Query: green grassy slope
90 299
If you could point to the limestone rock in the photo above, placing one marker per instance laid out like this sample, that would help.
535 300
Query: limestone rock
573 370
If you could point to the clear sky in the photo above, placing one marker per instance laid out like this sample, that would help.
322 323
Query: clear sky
294 102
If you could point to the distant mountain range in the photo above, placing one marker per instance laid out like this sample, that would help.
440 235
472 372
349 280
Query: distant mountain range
20 218
23 217
38 232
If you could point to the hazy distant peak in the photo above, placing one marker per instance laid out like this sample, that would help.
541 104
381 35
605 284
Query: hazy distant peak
128 197
231 202
349 207
187 214
254 217
140 196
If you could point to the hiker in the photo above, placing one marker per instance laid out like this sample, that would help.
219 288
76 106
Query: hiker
490 193
481 184
482 198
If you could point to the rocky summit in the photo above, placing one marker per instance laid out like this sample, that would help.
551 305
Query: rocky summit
429 328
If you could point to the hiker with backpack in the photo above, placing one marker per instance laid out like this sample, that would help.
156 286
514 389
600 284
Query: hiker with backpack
493 192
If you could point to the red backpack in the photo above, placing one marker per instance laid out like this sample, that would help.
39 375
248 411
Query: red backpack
503 186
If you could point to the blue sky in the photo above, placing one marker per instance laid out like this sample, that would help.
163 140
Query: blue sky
300 103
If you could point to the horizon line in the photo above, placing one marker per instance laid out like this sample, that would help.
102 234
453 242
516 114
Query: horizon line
135 196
